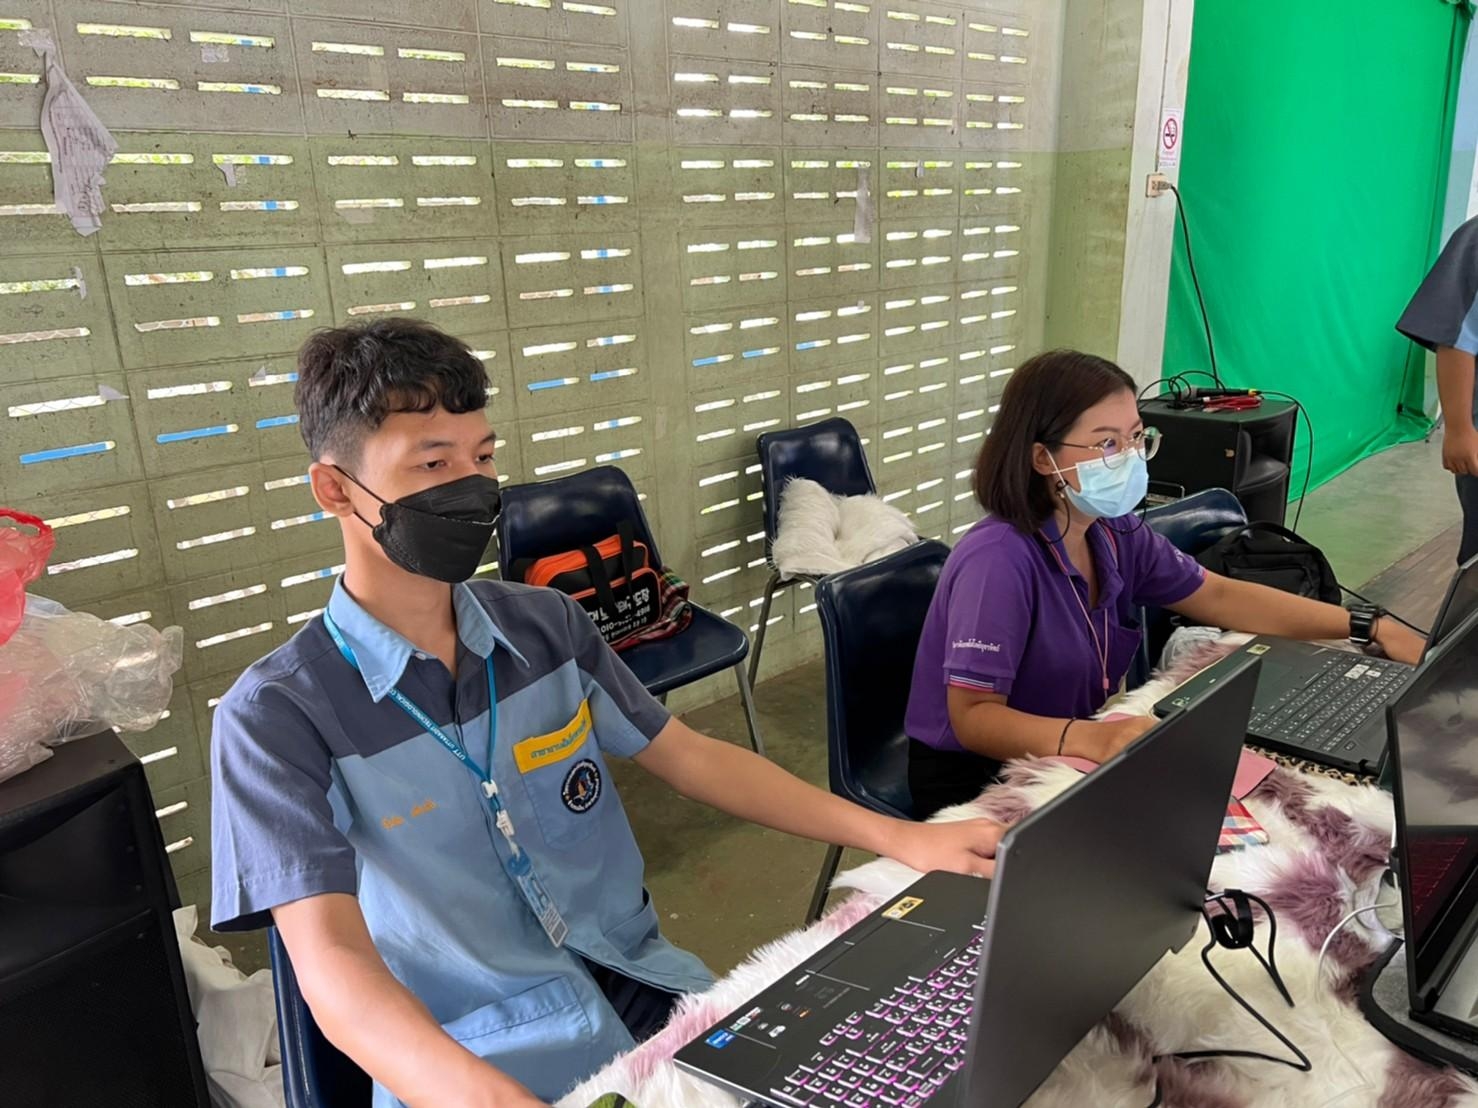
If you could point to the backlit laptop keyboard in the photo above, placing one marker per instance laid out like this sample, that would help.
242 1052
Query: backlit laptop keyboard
1431 860
900 1051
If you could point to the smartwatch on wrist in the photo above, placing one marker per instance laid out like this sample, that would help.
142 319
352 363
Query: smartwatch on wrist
1363 618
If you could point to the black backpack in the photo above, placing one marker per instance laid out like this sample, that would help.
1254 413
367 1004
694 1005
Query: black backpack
1268 554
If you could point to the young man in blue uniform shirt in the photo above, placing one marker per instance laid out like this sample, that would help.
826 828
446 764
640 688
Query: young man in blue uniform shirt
415 789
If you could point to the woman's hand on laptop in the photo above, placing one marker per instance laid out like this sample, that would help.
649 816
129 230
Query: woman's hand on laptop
1100 740
959 846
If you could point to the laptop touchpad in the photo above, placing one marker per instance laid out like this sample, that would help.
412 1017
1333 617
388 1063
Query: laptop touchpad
887 952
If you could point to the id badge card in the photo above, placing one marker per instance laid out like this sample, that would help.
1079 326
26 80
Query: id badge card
538 900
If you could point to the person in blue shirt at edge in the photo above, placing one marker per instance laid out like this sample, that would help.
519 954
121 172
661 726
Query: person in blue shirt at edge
414 789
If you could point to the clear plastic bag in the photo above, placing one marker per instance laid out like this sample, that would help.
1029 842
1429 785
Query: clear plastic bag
67 674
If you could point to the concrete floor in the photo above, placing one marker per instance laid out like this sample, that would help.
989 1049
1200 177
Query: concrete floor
1373 515
723 887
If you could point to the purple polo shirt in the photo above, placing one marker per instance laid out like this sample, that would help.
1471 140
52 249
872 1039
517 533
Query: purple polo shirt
1008 618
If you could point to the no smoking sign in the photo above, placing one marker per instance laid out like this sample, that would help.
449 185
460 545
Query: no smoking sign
1170 139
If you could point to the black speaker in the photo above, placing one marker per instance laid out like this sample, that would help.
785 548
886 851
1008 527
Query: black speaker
93 1004
1249 453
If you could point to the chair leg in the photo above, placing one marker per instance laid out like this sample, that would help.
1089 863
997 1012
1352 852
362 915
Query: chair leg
746 694
759 634
823 883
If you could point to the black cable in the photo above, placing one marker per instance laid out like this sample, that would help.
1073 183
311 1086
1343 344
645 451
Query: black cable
1215 374
1426 634
1309 468
1185 229
1139 525
1175 381
1270 963
1302 1065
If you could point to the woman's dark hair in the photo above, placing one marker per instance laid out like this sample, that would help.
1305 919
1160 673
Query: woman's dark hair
351 378
1043 399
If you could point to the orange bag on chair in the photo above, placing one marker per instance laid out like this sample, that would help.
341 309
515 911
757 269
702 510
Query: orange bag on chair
630 600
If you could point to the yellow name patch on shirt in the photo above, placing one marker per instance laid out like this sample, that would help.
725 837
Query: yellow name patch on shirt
546 750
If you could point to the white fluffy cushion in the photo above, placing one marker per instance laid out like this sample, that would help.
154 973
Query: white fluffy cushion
820 533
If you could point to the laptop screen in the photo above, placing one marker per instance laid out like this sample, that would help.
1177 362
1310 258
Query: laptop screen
1435 733
1461 602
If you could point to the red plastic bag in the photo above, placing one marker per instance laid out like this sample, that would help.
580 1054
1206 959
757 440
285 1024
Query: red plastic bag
24 550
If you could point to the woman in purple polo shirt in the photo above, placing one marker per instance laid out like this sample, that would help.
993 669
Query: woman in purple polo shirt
1035 620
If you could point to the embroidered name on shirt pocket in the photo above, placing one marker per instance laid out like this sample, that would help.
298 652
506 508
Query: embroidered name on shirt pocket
547 750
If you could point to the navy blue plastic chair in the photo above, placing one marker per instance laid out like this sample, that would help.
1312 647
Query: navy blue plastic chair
551 517
315 1073
1192 524
829 453
871 619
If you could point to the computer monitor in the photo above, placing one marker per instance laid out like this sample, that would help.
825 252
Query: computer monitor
1434 743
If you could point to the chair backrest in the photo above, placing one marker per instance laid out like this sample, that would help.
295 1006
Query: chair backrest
871 619
1192 524
315 1073
551 517
1198 521
829 453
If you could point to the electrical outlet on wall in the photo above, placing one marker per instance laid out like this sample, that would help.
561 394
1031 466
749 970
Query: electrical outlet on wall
1157 185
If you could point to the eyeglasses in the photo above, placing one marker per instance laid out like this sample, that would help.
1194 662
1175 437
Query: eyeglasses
1116 449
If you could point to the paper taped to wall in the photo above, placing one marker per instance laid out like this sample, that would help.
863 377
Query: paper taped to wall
80 146
38 39
862 221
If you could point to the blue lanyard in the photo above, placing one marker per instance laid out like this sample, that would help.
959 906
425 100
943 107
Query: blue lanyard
417 713
519 866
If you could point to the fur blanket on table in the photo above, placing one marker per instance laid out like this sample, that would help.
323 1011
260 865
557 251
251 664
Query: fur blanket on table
819 533
1328 845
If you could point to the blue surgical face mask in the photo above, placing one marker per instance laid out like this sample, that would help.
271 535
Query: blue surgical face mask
1108 493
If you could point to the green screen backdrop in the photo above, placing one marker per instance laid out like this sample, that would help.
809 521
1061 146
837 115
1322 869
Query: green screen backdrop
1315 157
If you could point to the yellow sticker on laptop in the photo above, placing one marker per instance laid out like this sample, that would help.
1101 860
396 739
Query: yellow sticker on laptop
555 747
902 908
1259 648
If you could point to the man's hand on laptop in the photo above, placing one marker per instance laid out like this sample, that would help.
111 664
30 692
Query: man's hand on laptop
961 846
